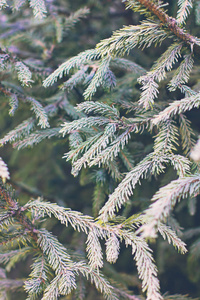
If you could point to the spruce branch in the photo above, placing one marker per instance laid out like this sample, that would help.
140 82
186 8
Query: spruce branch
151 164
98 108
111 233
19 132
98 140
183 11
112 248
24 74
170 235
180 164
54 255
166 198
18 3
145 265
17 211
74 62
94 251
65 216
186 133
113 170
107 155
157 74
168 21
167 138
99 281
127 38
39 112
39 8
13 101
178 107
39 277
6 256
75 79
103 77
182 73
66 270
95 149
127 65
4 173
80 146
195 152
88 122
36 137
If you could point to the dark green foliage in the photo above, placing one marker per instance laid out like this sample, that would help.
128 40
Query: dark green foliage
72 89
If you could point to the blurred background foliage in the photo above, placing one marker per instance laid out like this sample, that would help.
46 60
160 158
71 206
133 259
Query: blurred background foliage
41 171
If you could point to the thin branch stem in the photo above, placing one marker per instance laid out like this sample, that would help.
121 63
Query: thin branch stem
171 23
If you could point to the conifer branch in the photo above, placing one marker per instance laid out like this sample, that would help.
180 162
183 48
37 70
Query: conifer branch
99 134
19 132
186 133
145 264
13 101
36 137
170 235
182 73
38 278
24 74
99 281
97 230
98 108
80 146
75 62
88 122
94 250
167 138
195 152
17 212
184 10
95 149
4 173
178 107
170 22
126 187
127 38
39 112
166 198
157 74
54 255
65 216
39 8
6 256
112 248
111 151
180 164
103 77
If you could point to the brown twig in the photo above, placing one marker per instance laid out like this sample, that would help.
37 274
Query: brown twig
171 23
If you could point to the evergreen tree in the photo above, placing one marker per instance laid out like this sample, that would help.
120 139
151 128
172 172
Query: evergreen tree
120 128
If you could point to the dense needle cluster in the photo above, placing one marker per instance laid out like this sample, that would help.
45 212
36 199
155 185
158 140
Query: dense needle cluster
99 130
